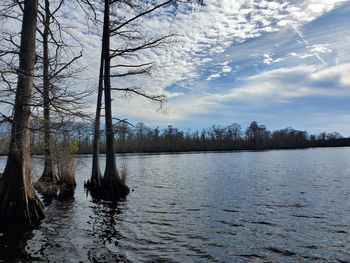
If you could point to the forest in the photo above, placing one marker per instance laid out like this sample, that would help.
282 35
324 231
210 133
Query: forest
140 138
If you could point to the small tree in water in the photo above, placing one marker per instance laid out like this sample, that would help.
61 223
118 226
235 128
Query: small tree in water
63 150
64 158
55 71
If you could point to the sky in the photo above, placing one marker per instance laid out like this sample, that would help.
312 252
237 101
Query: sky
281 63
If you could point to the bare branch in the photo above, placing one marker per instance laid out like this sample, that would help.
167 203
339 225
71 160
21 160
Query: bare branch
132 66
139 91
122 121
140 15
66 66
147 45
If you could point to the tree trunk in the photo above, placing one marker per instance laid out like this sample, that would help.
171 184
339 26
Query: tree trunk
49 173
112 187
96 178
18 202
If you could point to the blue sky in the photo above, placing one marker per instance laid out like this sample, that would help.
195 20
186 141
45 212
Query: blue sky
283 66
291 71
279 62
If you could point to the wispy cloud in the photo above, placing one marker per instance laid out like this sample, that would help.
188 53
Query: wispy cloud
275 86
254 54
204 33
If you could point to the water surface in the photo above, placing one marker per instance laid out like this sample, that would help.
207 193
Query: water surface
279 206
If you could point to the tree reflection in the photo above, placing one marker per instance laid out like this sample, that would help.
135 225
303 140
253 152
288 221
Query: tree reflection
13 242
105 228
55 227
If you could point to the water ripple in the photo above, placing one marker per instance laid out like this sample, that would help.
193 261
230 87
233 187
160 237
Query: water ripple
272 206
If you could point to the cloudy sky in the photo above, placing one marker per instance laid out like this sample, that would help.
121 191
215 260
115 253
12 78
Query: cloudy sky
279 62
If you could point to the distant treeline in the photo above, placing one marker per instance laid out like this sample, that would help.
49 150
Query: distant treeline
142 139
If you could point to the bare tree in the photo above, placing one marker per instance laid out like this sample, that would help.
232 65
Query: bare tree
18 201
121 30
48 174
110 186
55 98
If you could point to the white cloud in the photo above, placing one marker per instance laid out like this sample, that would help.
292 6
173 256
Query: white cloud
321 48
203 34
206 32
226 69
275 86
214 76
267 59
338 74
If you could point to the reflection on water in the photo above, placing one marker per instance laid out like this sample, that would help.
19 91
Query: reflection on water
104 224
280 206
12 245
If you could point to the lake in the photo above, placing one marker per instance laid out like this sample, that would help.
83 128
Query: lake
279 206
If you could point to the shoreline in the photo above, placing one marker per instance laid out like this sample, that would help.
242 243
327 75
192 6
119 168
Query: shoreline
206 151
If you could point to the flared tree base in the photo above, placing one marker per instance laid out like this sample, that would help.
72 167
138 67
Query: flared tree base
50 188
108 190
66 190
112 188
93 189
19 207
47 188
93 186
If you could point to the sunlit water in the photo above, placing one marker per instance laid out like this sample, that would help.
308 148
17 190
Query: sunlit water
279 206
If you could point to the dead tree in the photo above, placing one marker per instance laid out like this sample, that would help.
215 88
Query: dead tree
18 200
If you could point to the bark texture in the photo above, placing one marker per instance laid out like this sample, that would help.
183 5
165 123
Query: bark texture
112 187
18 202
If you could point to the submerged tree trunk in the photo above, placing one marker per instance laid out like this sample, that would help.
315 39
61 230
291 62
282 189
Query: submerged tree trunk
95 182
112 187
19 203
49 174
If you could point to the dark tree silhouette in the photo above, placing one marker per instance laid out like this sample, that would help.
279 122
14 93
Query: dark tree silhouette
111 187
18 200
